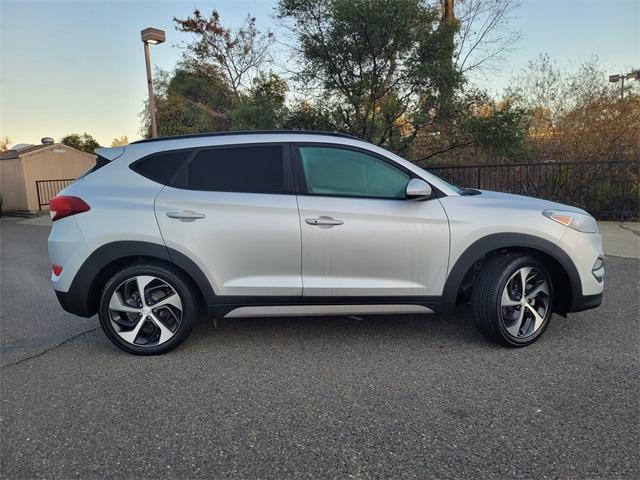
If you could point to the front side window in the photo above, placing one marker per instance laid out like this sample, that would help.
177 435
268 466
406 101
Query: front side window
343 172
240 169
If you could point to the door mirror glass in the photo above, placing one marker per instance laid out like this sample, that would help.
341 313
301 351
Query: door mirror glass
418 189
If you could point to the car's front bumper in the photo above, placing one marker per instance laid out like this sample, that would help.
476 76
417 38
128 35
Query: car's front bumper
586 302
585 249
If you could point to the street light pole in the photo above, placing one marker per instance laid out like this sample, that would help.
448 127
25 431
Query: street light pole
633 75
152 102
151 36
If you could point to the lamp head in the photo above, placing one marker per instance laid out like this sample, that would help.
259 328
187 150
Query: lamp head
152 35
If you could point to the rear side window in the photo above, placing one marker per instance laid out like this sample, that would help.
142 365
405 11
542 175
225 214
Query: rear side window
161 167
240 169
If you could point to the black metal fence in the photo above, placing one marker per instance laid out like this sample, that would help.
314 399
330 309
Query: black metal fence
47 189
607 190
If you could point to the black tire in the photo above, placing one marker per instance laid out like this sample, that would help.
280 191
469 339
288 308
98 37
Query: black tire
182 286
487 293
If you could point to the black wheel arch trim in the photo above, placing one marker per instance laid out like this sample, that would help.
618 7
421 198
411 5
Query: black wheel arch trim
498 241
81 298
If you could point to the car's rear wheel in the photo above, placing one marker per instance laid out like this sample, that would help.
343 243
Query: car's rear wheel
512 299
147 309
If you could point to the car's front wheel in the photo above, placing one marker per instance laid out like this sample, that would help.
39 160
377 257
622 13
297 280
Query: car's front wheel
147 309
512 299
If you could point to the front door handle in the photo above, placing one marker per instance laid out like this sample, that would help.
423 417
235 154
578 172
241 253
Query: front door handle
323 221
185 215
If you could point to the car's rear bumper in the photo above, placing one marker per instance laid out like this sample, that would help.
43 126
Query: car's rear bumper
73 304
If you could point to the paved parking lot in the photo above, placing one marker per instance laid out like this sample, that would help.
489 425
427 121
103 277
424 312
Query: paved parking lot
403 397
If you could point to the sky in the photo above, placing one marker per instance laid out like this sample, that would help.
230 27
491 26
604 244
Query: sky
72 66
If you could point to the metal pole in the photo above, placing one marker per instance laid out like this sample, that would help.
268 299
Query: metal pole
152 103
622 88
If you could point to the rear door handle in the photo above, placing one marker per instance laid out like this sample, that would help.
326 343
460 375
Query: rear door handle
185 215
326 221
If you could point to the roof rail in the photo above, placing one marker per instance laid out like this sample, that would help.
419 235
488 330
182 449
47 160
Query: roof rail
245 132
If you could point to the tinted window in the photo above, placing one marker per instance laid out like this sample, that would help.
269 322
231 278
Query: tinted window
336 171
161 167
242 169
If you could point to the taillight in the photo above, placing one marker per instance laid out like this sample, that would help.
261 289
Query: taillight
57 270
64 206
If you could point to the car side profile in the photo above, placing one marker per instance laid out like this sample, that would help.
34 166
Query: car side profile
260 224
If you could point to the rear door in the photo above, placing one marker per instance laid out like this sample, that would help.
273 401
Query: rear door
360 236
231 210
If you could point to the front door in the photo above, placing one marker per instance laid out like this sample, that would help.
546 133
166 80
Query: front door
360 236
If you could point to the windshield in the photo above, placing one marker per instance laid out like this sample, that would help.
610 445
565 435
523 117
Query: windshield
458 190
453 187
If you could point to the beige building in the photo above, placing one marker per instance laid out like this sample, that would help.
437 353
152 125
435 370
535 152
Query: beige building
53 165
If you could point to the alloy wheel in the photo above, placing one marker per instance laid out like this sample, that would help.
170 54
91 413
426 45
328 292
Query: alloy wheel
525 302
145 311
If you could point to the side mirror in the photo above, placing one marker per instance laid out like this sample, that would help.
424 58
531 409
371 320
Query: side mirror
418 189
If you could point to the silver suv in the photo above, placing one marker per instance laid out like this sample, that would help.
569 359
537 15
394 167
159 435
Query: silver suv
298 223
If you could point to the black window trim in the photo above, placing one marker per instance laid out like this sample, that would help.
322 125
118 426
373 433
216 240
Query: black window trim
301 183
287 170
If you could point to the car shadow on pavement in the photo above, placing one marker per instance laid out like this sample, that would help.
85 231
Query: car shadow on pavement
329 332
354 331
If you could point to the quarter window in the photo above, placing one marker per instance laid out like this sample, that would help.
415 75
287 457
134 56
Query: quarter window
343 172
160 167
240 169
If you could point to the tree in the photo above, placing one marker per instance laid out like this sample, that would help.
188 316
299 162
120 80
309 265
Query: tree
263 107
187 102
237 54
4 144
379 78
120 142
218 84
578 115
84 142
202 87
305 115
485 34
499 131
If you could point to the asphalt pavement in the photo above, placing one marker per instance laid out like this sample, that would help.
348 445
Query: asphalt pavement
394 396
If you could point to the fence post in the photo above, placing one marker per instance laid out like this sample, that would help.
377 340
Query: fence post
623 194
38 190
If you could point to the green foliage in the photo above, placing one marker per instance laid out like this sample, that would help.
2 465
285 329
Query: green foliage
234 55
380 65
500 131
386 71
263 107
218 84
191 101
187 102
307 116
84 142
203 89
